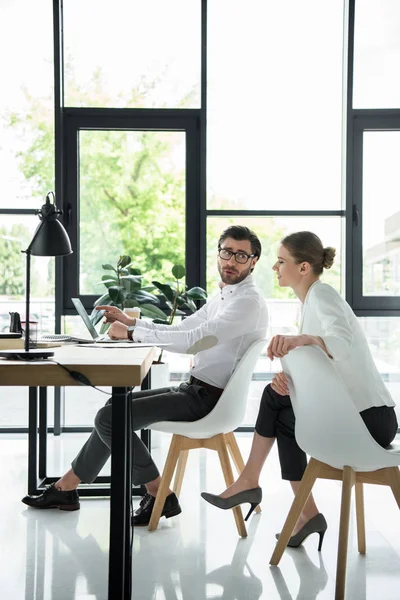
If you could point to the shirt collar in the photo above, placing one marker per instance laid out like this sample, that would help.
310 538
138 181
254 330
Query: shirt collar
310 288
227 290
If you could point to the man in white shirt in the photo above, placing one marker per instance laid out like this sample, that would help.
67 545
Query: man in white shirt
218 334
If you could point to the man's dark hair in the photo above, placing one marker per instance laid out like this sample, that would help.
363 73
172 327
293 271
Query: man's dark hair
239 233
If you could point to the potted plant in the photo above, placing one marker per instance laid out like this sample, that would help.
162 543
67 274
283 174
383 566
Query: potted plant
178 297
125 290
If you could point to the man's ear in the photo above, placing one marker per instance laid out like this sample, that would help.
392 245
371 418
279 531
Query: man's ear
253 262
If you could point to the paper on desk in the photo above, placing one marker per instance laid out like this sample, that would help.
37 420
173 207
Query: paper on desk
124 345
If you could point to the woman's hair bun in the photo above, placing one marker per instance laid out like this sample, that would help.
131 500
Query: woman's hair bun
328 257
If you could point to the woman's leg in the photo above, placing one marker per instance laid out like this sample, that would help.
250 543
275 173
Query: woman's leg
248 479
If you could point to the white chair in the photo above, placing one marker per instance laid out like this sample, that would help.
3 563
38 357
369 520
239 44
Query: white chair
214 431
329 428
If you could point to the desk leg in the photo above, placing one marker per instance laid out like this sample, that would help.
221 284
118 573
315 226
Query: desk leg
42 432
32 441
120 560
145 434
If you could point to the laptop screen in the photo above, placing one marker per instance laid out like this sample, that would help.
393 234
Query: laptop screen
85 317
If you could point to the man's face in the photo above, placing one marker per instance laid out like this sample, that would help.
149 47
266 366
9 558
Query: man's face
231 271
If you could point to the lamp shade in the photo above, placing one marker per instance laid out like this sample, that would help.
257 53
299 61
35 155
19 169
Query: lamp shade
52 240
50 237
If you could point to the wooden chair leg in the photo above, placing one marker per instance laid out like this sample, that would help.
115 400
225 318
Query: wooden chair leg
169 468
236 456
220 446
393 478
348 482
180 471
307 482
360 517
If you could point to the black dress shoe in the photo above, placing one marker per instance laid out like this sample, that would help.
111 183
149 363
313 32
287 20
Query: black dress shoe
142 515
54 498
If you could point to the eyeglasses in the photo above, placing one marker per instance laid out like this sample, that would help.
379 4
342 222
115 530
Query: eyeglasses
240 257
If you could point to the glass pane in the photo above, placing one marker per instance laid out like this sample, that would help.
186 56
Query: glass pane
26 103
381 228
383 334
16 232
132 201
282 303
376 54
274 104
137 55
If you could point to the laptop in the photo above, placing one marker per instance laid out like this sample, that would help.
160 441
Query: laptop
95 336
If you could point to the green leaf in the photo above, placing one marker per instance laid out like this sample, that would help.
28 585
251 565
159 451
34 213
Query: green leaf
178 271
191 304
124 261
96 316
142 296
196 293
149 310
165 289
180 301
104 299
108 267
117 295
133 278
134 271
107 282
160 322
109 278
104 328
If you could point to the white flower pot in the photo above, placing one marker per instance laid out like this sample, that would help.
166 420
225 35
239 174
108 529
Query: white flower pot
159 375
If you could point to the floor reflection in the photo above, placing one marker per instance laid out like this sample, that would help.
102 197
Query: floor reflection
77 564
313 578
181 572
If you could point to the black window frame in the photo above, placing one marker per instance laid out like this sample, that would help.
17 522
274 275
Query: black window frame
76 120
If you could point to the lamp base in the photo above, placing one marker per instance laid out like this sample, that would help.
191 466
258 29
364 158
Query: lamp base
25 355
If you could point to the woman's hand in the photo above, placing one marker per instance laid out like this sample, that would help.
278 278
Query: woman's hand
279 384
282 344
118 331
112 314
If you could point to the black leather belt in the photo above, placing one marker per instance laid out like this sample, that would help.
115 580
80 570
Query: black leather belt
215 391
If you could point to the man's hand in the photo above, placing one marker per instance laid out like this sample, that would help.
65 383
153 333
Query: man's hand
112 314
279 384
118 331
282 344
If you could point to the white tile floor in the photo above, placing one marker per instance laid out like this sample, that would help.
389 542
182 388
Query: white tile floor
53 555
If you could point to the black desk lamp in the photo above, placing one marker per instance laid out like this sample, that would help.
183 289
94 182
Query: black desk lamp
49 239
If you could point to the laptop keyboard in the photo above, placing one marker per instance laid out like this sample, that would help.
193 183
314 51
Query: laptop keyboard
55 337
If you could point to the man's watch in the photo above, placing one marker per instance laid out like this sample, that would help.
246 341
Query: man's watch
131 329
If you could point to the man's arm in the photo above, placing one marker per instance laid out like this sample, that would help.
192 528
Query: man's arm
241 317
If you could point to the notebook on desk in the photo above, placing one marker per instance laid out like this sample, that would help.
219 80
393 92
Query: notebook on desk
95 336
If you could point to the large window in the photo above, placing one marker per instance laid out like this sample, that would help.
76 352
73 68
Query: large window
26 154
160 123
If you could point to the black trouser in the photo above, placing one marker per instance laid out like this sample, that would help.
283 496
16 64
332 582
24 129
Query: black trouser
188 402
276 419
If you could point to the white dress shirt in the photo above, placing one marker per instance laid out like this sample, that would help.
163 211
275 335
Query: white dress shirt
236 317
327 315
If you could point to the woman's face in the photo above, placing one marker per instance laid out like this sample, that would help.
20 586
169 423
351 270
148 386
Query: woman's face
287 271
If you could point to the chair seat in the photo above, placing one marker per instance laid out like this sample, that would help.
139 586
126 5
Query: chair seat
394 447
191 429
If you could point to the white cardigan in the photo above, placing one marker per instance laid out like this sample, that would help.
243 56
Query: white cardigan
327 315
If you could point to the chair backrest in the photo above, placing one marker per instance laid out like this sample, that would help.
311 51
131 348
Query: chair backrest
328 425
229 411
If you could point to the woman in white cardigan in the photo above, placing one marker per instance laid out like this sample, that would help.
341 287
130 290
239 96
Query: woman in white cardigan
328 322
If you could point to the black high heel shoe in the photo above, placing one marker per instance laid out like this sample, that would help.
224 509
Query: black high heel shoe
317 524
254 496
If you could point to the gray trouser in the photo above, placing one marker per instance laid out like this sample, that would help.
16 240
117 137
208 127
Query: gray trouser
187 402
